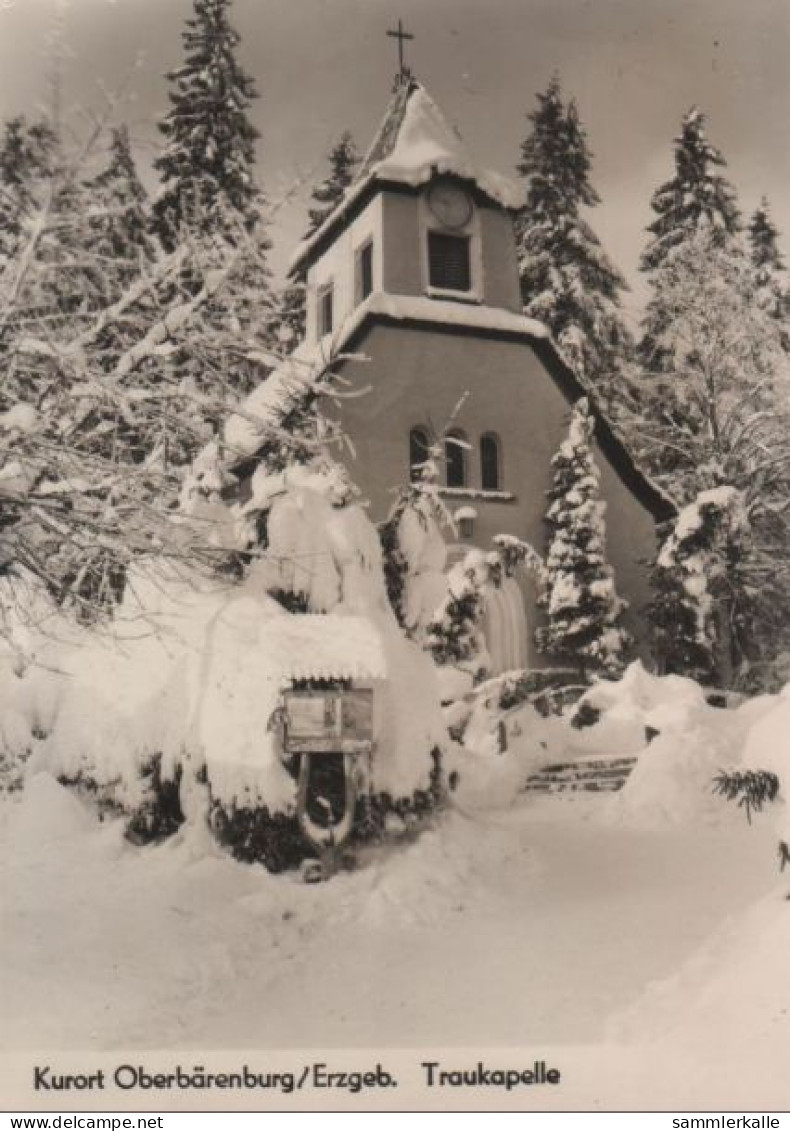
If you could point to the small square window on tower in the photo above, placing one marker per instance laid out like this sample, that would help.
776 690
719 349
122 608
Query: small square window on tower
449 267
363 281
325 310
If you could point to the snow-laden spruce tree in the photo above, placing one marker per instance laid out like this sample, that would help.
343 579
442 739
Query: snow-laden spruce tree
207 167
697 194
763 241
49 209
58 352
289 315
772 285
27 154
120 215
290 305
343 162
581 604
80 241
567 280
209 197
698 197
118 366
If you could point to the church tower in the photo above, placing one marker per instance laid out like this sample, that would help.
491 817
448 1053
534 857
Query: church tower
419 221
415 271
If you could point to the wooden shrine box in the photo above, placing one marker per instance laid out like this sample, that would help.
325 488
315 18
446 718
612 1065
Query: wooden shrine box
332 721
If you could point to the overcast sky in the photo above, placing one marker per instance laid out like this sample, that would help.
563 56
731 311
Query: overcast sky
321 66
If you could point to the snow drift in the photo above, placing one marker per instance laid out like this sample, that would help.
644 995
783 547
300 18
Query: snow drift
682 743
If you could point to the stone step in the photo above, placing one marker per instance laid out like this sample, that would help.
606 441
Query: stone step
594 775
612 786
621 761
570 773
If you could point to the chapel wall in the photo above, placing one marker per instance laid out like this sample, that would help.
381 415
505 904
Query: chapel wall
401 244
336 267
417 377
500 262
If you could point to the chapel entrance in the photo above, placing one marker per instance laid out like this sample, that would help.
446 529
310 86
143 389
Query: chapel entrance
505 628
505 620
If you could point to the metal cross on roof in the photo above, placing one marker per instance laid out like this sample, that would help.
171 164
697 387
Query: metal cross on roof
401 35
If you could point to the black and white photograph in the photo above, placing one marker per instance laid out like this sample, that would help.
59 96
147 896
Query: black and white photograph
395 555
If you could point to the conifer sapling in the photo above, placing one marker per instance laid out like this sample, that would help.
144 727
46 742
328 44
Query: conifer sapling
582 607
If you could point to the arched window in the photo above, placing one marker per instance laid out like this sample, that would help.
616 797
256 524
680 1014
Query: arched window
419 450
490 463
455 452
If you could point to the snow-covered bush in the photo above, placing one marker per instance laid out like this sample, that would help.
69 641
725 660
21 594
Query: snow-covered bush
184 689
479 717
622 716
171 713
704 606
670 783
414 549
33 637
185 692
454 633
690 754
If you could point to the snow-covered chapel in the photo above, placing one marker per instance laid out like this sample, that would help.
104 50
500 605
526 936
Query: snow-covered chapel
415 272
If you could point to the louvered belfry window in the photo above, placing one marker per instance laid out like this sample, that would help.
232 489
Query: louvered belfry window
448 262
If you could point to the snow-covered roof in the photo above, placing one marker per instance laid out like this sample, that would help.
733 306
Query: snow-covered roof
325 646
421 308
414 143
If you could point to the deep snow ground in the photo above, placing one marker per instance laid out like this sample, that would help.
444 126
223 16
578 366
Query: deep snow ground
535 923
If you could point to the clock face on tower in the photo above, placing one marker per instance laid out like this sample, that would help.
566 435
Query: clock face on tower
451 205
